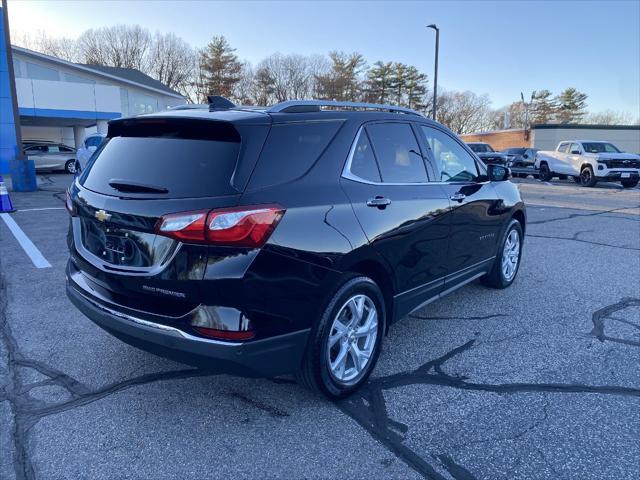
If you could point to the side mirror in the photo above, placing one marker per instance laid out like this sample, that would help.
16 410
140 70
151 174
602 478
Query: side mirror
498 173
575 152
525 156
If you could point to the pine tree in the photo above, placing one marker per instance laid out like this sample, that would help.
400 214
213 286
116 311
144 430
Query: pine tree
415 88
342 82
544 107
572 105
380 82
220 66
399 82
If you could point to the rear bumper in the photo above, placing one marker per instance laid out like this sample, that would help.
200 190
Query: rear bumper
265 357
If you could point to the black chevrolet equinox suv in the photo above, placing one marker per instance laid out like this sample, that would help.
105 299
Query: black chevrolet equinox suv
283 239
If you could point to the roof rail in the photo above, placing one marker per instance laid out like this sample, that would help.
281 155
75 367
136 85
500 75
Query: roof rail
301 106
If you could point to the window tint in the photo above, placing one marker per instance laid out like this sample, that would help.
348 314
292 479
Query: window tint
190 158
363 162
397 151
291 150
453 162
65 149
574 148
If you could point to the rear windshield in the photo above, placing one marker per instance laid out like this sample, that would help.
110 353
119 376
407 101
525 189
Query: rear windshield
175 159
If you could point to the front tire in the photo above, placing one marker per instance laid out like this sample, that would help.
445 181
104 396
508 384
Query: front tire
587 178
629 183
344 346
545 173
507 262
70 167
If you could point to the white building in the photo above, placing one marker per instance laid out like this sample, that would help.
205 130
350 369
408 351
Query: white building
625 137
58 100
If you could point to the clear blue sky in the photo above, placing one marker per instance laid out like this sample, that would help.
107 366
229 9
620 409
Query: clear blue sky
496 47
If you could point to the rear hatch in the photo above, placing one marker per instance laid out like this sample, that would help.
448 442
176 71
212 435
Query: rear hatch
146 168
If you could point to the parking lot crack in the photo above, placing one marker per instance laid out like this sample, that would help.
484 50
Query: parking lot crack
600 317
575 239
578 215
367 406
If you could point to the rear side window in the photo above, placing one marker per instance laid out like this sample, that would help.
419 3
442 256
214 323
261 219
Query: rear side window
291 150
188 158
398 153
363 162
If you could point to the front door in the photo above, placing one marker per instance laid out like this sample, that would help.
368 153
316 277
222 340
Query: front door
476 210
403 215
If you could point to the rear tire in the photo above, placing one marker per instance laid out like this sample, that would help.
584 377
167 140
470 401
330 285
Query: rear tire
545 173
70 167
587 178
507 263
629 183
343 333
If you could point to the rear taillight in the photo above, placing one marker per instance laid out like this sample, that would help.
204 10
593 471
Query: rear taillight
69 205
248 226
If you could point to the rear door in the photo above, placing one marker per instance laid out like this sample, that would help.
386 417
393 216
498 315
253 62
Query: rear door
403 215
476 214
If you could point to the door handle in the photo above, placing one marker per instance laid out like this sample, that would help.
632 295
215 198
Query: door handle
378 201
458 196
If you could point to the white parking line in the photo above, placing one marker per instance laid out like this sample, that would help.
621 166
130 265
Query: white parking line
27 245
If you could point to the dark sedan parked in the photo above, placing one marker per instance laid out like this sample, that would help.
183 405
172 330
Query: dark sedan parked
487 154
286 239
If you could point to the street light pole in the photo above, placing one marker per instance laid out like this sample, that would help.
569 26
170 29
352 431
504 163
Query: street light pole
435 76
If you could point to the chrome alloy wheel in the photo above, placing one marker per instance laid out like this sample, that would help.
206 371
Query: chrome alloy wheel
511 255
352 339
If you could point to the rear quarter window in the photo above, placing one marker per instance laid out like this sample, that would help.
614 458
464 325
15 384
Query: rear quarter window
291 149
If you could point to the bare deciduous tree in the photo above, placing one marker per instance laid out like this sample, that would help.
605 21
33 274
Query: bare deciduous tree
171 61
464 112
123 46
609 117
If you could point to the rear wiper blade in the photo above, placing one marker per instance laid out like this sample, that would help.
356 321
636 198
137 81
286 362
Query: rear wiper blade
133 187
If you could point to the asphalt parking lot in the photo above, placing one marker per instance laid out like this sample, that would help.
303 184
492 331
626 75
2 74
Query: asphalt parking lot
541 380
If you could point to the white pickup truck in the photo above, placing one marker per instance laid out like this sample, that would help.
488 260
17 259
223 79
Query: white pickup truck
588 162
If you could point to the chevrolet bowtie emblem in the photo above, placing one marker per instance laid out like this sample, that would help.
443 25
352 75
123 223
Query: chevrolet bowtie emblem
102 215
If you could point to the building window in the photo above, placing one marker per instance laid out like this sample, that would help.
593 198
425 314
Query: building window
142 104
124 101
70 77
17 68
38 72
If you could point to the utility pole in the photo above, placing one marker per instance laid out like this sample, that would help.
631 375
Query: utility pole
435 75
